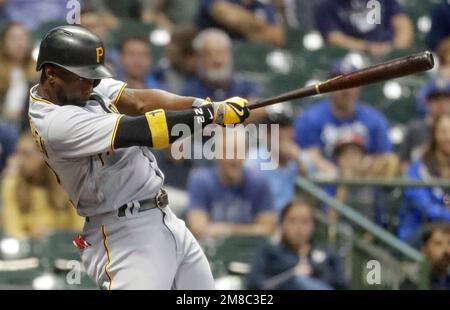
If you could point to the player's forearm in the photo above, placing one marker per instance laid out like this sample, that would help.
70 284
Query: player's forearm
154 129
135 102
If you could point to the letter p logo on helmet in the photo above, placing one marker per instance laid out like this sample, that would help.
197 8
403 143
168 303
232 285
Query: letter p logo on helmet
100 52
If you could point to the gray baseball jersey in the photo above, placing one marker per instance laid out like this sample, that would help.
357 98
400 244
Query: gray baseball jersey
77 144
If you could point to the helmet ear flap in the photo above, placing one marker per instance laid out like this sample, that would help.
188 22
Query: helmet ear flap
96 82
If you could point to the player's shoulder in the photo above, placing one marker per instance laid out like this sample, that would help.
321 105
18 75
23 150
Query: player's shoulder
36 101
39 108
111 89
108 83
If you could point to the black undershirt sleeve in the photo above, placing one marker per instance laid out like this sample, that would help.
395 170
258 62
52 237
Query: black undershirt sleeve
135 131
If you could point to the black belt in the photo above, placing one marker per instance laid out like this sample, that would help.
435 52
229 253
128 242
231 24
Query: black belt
160 201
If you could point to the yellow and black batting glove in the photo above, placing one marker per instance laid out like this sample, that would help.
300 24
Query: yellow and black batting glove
228 112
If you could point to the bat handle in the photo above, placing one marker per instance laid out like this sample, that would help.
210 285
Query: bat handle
296 94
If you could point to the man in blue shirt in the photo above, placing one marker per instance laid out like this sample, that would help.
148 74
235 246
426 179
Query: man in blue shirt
353 24
229 199
215 76
321 125
135 61
178 64
440 27
250 19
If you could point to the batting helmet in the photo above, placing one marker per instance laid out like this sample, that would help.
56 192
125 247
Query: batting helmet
75 49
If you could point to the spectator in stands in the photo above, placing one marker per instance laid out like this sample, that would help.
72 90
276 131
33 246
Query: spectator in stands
130 9
440 24
435 246
229 198
349 155
215 76
352 25
423 205
17 72
100 23
8 139
179 62
32 13
289 165
442 74
295 262
253 20
296 14
33 202
168 14
317 129
443 53
437 97
135 61
436 249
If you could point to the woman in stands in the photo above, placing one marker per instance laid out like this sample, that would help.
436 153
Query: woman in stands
34 204
17 71
422 205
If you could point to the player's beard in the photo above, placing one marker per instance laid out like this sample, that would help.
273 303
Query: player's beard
65 99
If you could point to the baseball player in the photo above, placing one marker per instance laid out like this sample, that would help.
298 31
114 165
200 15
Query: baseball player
96 136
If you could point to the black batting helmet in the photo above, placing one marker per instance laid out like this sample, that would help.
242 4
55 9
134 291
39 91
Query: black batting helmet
75 49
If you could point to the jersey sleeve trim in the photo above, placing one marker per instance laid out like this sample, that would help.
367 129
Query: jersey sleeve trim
119 94
113 137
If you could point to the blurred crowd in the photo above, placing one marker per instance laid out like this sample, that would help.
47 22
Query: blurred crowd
338 136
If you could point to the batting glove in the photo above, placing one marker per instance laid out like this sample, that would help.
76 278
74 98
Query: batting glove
229 112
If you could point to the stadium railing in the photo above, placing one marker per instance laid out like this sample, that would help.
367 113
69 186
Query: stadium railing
398 262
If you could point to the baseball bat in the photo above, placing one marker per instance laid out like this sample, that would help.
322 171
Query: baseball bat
381 72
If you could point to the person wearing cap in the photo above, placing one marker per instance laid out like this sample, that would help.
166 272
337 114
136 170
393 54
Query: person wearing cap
317 129
440 24
357 26
349 155
436 96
